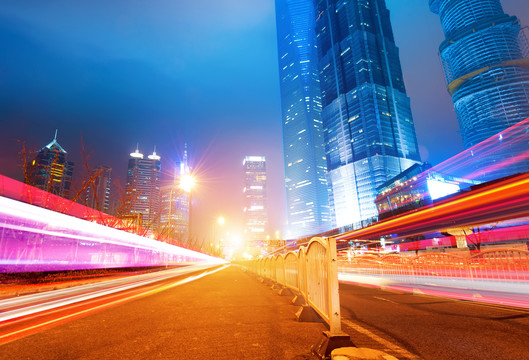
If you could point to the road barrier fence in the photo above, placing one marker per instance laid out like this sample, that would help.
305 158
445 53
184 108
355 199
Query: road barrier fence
312 272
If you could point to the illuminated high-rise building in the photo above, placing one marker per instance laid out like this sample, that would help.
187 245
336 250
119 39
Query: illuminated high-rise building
369 132
303 146
255 209
143 188
50 170
98 190
176 204
485 59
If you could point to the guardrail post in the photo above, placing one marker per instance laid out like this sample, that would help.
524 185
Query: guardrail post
335 337
333 294
301 298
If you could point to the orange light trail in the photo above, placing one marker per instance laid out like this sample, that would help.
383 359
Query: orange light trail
504 200
14 329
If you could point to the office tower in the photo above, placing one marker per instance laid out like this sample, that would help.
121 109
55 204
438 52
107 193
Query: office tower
143 188
98 190
50 170
485 59
255 210
368 127
176 204
303 147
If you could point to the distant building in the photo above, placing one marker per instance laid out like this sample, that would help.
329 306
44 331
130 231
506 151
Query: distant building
485 59
368 126
175 205
143 189
50 170
255 209
98 190
303 145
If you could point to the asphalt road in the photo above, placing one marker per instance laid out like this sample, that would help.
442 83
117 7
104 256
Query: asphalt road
425 327
230 315
225 315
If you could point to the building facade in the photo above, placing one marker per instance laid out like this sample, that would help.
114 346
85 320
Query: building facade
368 127
485 60
50 170
303 146
255 209
175 204
98 190
143 189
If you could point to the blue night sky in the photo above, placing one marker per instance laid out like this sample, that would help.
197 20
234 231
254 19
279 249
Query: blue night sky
160 73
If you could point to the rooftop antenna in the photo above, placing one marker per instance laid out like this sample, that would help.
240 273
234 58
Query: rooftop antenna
55 138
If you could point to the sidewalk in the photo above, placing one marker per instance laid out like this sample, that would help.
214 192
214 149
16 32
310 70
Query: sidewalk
231 315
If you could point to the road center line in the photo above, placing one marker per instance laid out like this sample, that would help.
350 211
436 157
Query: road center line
381 298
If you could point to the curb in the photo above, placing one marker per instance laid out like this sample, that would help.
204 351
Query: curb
352 353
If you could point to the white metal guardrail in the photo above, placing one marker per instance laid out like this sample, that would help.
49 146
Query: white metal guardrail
311 272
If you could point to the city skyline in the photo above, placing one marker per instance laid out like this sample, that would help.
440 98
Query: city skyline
90 94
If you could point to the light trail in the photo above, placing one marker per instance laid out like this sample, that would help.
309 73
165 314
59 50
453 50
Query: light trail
37 239
504 200
30 304
34 320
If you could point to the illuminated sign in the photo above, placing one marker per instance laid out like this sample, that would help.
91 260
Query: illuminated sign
439 189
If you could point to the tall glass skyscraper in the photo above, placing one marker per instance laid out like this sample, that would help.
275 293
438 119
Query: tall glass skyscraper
97 194
485 59
175 204
368 127
143 188
255 209
303 148
50 170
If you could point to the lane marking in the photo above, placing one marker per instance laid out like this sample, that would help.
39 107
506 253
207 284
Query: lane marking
393 347
381 298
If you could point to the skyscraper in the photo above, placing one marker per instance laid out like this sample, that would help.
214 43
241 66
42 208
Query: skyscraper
368 127
50 170
485 59
143 188
255 209
303 147
98 190
176 204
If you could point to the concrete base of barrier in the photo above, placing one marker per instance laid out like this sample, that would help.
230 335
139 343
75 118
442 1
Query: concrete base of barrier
352 353
286 292
308 314
299 300
267 282
276 286
330 342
